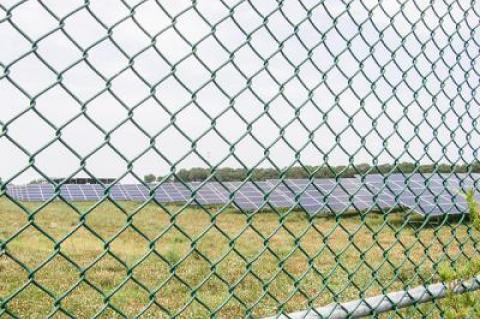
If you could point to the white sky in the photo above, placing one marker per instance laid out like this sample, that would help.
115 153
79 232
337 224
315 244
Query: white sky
301 59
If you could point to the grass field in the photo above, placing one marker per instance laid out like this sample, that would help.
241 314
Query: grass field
106 259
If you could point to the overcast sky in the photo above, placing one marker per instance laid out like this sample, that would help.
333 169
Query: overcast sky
273 83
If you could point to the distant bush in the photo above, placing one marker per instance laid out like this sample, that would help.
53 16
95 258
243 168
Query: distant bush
226 174
149 178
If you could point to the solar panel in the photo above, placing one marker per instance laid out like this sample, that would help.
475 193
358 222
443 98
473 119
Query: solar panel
13 191
427 194
16 191
134 192
246 195
93 192
330 194
38 192
277 195
463 181
210 193
72 192
163 196
33 192
172 192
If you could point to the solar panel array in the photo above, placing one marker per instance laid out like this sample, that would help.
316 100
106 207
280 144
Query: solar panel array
327 194
429 194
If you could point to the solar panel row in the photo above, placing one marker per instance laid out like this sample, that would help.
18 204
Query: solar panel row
428 194
433 194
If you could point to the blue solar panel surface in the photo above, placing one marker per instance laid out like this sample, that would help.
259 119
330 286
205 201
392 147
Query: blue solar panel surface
325 194
427 194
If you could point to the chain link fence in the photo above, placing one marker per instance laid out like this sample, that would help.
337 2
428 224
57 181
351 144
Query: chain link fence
231 159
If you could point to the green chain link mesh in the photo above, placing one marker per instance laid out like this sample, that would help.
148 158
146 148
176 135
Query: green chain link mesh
122 88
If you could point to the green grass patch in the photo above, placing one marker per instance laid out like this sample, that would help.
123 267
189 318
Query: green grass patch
195 262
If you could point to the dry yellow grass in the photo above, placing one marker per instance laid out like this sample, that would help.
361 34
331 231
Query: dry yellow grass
107 260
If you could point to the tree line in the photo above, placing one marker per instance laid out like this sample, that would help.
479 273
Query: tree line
227 174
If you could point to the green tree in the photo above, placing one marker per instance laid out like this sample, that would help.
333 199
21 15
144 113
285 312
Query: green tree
149 178
198 174
161 178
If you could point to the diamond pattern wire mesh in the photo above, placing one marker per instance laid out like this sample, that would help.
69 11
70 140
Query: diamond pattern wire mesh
121 88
